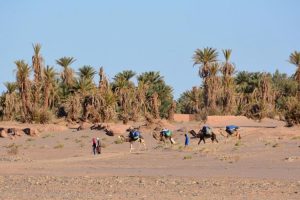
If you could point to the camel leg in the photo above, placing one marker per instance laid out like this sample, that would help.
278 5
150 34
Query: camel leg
131 147
144 144
238 135
172 140
200 141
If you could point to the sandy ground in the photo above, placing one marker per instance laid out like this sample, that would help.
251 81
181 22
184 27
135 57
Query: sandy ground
60 165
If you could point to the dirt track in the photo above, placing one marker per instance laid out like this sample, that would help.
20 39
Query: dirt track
59 165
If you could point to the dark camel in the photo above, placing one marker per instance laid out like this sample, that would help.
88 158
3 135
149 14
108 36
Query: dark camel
203 136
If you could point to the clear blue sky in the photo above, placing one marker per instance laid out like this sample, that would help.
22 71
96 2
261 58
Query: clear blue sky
158 35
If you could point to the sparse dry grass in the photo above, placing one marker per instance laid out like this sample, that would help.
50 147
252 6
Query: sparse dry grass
118 141
187 157
103 145
296 138
59 146
238 143
46 136
30 140
77 140
13 149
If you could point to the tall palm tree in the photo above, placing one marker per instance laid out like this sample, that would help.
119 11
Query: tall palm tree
37 65
84 86
22 76
103 82
10 87
87 72
150 78
67 75
157 94
213 86
205 59
190 101
124 90
49 75
228 83
85 82
295 60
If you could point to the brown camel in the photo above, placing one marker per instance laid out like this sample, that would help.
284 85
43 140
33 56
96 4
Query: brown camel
162 137
227 134
132 140
202 136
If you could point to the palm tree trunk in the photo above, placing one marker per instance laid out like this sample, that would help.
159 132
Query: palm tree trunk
46 100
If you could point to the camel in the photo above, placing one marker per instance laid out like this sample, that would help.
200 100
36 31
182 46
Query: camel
202 136
227 134
131 140
163 137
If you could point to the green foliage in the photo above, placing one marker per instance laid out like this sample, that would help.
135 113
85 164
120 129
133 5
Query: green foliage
253 94
155 84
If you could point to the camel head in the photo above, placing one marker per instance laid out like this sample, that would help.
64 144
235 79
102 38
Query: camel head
193 133
156 135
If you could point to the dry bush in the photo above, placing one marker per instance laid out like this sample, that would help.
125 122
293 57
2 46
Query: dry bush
292 115
42 116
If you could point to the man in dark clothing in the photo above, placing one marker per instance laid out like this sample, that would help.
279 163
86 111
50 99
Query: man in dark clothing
98 146
94 145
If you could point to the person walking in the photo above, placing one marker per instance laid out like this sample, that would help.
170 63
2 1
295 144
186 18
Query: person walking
187 140
98 146
94 145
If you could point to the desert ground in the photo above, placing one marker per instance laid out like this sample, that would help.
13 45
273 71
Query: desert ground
59 164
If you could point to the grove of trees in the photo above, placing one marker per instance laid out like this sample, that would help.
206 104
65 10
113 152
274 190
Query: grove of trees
40 93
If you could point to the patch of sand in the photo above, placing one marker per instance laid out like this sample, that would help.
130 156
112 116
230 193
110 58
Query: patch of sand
60 165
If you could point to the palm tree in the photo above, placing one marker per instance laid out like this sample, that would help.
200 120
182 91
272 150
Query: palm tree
124 90
205 58
23 73
84 86
37 65
10 87
150 78
191 101
67 75
87 72
228 83
213 86
295 60
10 103
49 75
157 94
